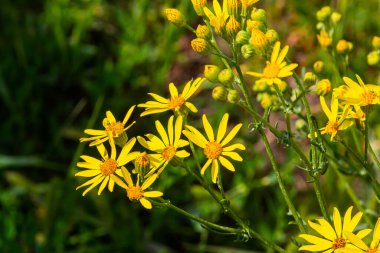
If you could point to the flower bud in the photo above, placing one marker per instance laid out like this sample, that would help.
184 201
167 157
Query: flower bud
219 93
320 26
343 47
324 39
200 46
266 100
318 66
335 17
300 124
373 58
259 41
142 164
211 72
323 87
247 50
233 96
174 16
232 26
226 76
254 24
323 13
376 42
259 86
198 6
259 15
203 32
242 37
309 79
272 36
282 86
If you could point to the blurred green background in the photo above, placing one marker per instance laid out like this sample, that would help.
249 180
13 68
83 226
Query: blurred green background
64 63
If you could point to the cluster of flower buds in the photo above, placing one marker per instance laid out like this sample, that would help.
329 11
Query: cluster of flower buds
266 94
327 20
373 58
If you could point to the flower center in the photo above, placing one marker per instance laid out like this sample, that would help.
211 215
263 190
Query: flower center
371 250
368 97
271 70
115 128
134 193
213 150
176 103
108 167
332 127
168 153
339 242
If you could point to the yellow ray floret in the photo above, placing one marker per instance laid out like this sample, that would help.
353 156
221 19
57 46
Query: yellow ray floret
277 67
137 192
216 149
167 146
331 238
219 17
176 101
112 128
105 171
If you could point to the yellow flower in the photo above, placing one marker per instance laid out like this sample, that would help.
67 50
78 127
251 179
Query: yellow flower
216 150
324 39
167 147
276 68
112 129
248 3
335 122
106 170
217 20
176 102
137 192
174 16
359 93
333 238
361 246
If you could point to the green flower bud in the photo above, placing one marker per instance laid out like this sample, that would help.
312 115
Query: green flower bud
373 58
219 93
203 32
259 86
259 41
309 79
247 50
318 66
323 13
335 17
323 87
300 124
233 96
259 15
272 36
142 164
254 24
211 72
242 37
226 76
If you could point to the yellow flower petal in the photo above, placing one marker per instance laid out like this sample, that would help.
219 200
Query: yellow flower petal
171 130
233 147
205 166
162 133
153 111
123 156
315 248
316 240
208 128
337 222
173 90
118 181
103 185
111 184
177 130
233 155
222 128
226 164
159 98
231 134
146 203
214 170
325 231
153 194
94 132
355 240
128 115
276 50
149 181
88 173
127 176
91 166
182 154
110 117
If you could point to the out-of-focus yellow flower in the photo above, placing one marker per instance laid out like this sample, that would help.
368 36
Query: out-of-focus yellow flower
174 16
360 245
323 13
359 93
112 129
137 192
198 6
324 39
331 238
318 66
309 79
335 122
215 149
373 58
219 18
358 114
105 171
166 147
276 68
343 46
176 102
376 42
323 87
246 4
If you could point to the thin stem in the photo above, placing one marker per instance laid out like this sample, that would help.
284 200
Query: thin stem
374 156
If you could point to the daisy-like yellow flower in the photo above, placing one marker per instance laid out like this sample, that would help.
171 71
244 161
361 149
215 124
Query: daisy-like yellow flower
176 102
219 18
332 238
216 150
105 171
137 192
359 93
112 129
166 147
335 122
362 247
276 68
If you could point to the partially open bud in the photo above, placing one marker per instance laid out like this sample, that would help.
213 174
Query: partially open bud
248 3
211 73
324 39
259 41
373 58
232 26
200 46
254 24
323 87
232 6
309 79
219 93
272 36
343 47
247 51
226 76
242 37
318 66
259 15
174 16
198 6
203 32
335 17
323 13
376 42
233 96
142 164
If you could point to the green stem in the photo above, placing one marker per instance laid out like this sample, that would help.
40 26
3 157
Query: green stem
374 156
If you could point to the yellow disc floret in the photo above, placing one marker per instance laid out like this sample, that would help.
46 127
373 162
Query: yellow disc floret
108 167
271 70
134 192
213 150
175 103
168 153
